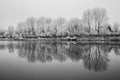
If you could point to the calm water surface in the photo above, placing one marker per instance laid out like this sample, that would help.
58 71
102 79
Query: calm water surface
35 60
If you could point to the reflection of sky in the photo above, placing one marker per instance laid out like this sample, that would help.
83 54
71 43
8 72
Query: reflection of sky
114 61
13 11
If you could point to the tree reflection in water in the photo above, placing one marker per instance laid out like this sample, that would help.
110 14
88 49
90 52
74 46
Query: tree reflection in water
94 56
96 59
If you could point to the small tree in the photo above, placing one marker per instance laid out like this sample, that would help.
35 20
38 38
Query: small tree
2 32
116 27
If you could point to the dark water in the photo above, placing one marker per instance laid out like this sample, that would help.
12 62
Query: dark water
31 60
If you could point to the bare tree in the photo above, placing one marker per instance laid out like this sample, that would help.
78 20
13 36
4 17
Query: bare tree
75 26
93 21
100 18
22 29
2 32
63 30
96 18
40 25
56 24
10 31
47 24
87 20
31 25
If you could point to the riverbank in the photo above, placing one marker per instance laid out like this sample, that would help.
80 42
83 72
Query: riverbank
112 37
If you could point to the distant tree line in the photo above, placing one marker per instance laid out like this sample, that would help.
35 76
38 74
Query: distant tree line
94 21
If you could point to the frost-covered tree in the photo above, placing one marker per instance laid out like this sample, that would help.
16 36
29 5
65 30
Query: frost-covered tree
47 24
63 30
10 31
43 25
95 19
87 20
31 26
56 26
22 29
100 18
75 27
2 32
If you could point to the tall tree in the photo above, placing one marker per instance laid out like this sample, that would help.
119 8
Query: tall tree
100 18
22 29
31 25
43 24
87 20
95 18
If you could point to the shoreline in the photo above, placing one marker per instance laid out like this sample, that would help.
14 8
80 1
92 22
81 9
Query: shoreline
117 39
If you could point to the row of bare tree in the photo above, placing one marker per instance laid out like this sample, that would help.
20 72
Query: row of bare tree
94 21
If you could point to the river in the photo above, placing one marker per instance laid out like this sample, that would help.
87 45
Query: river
36 60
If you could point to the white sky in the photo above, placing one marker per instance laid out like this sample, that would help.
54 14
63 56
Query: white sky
14 11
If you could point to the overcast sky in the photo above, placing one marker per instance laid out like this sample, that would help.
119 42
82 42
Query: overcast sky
14 11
